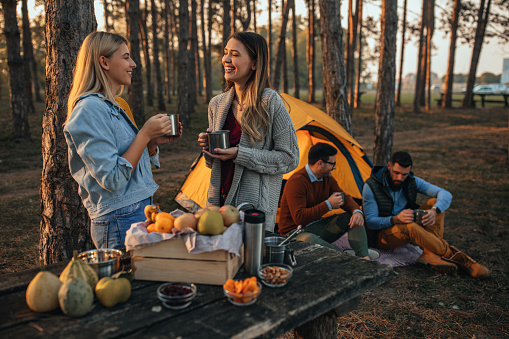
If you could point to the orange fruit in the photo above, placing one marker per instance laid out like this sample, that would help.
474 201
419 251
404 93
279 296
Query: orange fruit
164 222
151 228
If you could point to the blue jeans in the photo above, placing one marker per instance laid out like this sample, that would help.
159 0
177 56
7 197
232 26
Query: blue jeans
109 230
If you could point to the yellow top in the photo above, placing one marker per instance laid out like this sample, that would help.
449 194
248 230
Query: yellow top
125 106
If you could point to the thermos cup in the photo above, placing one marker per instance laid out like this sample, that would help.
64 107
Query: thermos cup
254 234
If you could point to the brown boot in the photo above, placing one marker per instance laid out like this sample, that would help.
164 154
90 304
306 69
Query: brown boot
468 264
436 263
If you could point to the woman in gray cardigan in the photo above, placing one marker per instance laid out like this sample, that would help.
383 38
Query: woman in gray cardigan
262 137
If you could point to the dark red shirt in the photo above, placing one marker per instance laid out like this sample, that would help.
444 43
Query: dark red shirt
228 167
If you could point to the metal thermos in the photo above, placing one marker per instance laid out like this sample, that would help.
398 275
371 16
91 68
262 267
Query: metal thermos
254 234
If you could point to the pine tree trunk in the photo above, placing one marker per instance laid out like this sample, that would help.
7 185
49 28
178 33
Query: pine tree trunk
192 57
226 32
296 87
107 14
482 21
401 57
146 53
28 55
173 33
232 17
17 86
310 55
350 62
199 87
167 50
155 50
64 219
424 66
357 99
255 27
418 75
184 101
136 88
207 77
209 50
449 76
269 37
429 44
333 70
384 127
276 79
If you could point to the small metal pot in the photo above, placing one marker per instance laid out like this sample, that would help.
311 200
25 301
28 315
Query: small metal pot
174 119
218 139
104 261
275 254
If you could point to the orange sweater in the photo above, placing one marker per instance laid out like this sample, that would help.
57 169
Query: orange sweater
303 201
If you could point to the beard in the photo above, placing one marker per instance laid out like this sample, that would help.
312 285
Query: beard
394 186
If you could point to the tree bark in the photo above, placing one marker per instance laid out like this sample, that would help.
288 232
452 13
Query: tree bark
107 15
167 50
352 38
276 79
173 33
17 85
384 128
207 76
184 102
482 21
199 83
310 55
64 219
269 36
296 87
402 56
418 75
136 88
146 52
429 46
255 27
155 50
357 99
226 32
333 70
28 55
449 76
192 57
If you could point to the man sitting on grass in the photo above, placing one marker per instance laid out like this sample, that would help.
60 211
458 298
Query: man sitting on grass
389 200
310 193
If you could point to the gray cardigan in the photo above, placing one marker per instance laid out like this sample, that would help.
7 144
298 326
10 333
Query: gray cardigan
259 168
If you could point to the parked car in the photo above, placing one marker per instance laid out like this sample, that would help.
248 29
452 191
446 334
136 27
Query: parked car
490 89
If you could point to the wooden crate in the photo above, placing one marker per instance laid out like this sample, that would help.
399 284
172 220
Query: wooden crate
169 261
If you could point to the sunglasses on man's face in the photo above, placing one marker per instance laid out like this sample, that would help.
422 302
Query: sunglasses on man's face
330 163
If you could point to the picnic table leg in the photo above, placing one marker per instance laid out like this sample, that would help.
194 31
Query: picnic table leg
325 326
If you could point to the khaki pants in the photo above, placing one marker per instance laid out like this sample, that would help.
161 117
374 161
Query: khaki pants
430 238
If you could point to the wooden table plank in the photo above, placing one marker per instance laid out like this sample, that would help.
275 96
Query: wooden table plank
322 281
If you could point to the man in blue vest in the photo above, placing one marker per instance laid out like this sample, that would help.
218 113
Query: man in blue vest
389 200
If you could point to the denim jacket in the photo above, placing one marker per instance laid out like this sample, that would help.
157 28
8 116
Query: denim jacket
97 134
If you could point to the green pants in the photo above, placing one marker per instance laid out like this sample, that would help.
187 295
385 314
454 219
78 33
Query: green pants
327 230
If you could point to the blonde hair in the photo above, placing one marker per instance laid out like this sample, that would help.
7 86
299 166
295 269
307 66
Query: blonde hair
255 118
89 76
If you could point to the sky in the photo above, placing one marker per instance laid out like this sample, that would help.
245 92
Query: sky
492 53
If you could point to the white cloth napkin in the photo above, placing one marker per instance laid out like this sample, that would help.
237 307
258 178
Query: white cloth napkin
231 240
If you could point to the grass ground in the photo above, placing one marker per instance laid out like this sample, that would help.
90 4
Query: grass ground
462 150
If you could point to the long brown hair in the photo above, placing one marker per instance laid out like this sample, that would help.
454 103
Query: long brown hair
255 119
89 76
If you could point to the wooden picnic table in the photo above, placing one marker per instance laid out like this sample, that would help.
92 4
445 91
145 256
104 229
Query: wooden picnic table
324 283
484 100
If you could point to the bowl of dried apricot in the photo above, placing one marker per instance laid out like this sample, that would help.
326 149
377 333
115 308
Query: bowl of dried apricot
242 292
275 275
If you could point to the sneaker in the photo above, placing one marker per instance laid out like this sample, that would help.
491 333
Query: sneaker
436 263
373 254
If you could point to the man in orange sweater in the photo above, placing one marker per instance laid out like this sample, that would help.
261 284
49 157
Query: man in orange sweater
310 193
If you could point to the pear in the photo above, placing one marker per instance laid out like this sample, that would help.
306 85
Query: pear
210 223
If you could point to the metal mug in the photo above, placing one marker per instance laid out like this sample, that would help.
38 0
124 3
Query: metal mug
218 139
275 254
174 119
418 214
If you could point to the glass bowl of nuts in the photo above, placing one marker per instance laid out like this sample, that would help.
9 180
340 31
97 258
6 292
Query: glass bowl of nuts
275 275
176 296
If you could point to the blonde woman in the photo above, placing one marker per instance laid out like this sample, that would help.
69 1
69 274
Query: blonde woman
109 157
262 137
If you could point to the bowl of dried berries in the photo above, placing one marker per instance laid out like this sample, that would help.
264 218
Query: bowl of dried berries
275 275
176 295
